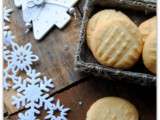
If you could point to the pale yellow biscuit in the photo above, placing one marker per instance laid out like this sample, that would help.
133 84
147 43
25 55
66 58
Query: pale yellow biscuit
112 108
101 17
116 41
149 52
147 27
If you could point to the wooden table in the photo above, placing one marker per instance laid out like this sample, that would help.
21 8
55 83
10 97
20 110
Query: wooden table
91 89
74 89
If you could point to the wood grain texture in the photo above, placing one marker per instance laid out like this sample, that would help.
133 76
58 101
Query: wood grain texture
5 113
93 89
7 101
56 51
57 62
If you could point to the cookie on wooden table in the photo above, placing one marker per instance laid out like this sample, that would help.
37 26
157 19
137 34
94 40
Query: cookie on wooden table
147 27
112 108
149 52
113 39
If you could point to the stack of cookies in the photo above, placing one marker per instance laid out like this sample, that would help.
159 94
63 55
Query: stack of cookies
116 41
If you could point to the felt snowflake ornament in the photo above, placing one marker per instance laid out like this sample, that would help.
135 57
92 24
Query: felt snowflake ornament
61 112
32 94
7 76
6 52
21 57
6 14
44 14
6 71
8 36
6 27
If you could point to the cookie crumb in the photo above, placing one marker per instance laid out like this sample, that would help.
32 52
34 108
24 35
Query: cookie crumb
80 103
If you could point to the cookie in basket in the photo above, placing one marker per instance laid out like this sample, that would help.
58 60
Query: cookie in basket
149 52
113 39
102 16
147 27
112 108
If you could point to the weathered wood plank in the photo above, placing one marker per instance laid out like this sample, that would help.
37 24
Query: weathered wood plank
93 89
7 101
56 51
5 113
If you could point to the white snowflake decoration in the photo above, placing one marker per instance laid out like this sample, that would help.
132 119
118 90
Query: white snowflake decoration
32 91
6 14
6 52
31 94
45 13
21 57
6 77
60 109
6 27
6 70
18 59
8 36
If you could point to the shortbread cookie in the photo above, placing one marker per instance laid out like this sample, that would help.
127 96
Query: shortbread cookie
147 27
149 52
103 16
112 108
114 39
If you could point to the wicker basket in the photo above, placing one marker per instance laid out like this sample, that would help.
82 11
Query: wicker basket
84 60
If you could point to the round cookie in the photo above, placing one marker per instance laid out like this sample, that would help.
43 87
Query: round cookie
114 39
147 27
149 52
101 17
112 108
